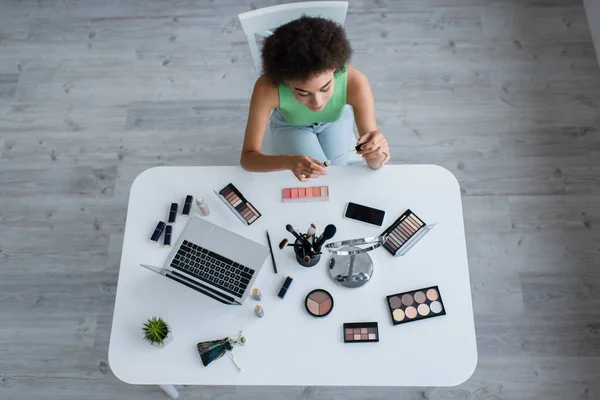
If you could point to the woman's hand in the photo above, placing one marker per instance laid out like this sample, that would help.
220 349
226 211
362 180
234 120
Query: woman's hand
374 148
305 168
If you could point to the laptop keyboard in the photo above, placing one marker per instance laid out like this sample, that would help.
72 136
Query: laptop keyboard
212 268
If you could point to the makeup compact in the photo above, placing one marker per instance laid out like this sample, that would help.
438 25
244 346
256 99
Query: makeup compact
404 233
305 194
319 303
415 305
237 203
361 332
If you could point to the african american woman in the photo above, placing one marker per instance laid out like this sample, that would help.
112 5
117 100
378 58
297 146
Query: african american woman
311 96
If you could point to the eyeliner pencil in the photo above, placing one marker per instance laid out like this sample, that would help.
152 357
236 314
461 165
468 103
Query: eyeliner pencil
272 255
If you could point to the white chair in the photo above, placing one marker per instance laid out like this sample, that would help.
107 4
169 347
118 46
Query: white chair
259 24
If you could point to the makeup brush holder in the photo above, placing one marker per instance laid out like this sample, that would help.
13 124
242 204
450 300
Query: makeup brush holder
300 254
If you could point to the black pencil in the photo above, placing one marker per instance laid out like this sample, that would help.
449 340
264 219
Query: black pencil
272 255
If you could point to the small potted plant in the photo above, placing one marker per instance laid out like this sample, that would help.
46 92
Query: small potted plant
157 332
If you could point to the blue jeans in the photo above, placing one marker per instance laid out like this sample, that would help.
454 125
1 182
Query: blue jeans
321 140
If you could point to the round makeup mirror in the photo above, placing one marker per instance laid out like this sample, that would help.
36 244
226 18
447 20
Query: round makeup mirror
351 266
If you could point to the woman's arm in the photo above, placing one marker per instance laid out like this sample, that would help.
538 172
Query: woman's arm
374 147
265 97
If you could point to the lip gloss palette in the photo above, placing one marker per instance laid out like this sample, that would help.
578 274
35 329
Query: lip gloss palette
237 203
305 194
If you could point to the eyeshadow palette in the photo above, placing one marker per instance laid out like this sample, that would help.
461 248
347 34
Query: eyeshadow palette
319 303
305 194
361 332
404 233
238 204
415 305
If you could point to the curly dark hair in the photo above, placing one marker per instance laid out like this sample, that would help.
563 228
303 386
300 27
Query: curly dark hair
304 47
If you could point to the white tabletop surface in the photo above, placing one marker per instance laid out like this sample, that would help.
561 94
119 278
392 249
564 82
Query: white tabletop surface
288 346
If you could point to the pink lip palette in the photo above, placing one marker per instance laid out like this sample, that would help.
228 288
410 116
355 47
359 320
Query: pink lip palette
305 194
361 332
415 305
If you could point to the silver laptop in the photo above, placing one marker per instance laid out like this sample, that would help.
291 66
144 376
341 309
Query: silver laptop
214 261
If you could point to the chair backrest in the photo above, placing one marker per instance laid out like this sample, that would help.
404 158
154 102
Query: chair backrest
260 23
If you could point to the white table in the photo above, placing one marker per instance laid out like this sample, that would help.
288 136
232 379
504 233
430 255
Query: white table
288 346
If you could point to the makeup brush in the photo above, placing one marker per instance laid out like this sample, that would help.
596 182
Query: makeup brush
328 233
355 148
314 236
302 240
283 244
271 251
311 230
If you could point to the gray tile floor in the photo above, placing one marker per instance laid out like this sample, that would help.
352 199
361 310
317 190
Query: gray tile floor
505 94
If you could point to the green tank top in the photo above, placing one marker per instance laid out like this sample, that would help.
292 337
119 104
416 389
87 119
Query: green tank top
297 113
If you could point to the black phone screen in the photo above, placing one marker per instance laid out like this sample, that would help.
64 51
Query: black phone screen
365 214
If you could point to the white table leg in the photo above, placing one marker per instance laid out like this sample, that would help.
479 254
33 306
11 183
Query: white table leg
170 391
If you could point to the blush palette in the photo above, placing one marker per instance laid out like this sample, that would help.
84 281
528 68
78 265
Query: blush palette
361 332
305 194
319 303
415 305
404 233
237 203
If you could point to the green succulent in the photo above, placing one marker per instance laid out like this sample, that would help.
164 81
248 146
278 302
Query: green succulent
155 330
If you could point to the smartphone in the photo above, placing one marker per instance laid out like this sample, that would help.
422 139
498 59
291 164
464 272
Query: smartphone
366 214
